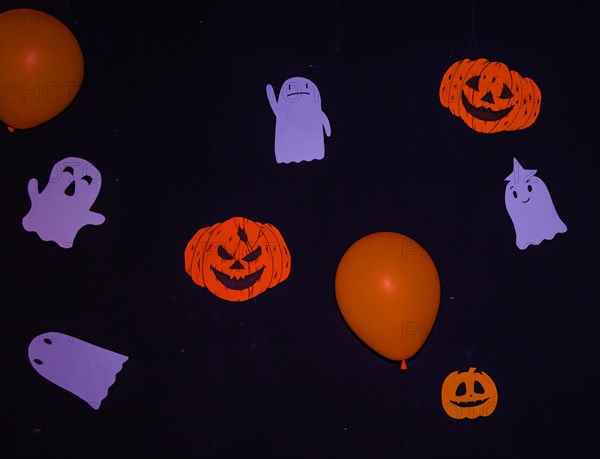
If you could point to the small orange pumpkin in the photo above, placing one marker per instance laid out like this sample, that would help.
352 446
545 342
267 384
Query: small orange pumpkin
237 259
489 97
469 394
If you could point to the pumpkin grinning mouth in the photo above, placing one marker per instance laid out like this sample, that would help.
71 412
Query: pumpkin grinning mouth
241 283
470 403
483 113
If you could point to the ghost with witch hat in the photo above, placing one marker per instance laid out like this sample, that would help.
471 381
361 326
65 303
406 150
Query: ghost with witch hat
530 207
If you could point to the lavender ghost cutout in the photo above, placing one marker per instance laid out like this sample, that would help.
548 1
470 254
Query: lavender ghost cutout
81 368
300 121
530 207
63 207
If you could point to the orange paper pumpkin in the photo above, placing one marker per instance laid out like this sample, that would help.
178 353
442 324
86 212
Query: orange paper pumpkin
489 97
469 394
237 259
41 67
388 291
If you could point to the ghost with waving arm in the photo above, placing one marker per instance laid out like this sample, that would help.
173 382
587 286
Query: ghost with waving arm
300 121
530 207
62 208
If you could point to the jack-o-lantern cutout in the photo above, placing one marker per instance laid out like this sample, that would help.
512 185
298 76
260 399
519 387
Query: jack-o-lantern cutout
237 259
469 394
489 97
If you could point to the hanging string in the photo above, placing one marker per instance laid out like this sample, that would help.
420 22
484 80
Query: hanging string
340 28
474 43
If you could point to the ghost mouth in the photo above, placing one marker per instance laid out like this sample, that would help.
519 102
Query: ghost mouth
483 113
526 200
237 283
70 190
300 92
469 404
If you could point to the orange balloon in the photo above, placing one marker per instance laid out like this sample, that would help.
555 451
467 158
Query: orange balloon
388 291
41 67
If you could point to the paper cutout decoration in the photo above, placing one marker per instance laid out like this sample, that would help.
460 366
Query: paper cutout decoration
300 121
489 97
41 67
83 369
63 207
237 259
530 207
470 394
388 291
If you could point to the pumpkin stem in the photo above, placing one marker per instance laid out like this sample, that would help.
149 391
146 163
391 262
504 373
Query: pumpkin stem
10 128
403 365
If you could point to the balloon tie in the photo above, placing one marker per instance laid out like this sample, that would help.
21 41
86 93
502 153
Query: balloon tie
403 365
10 128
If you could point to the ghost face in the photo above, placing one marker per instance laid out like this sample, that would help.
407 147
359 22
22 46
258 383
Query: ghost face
524 194
299 90
76 181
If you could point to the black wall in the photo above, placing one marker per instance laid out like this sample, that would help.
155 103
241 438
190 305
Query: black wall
173 112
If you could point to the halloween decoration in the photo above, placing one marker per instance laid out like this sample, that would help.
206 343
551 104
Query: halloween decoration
388 291
81 368
41 68
63 207
237 259
489 97
469 394
530 207
300 121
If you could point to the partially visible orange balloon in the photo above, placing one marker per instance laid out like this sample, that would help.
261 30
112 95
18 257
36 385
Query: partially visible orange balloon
41 67
388 291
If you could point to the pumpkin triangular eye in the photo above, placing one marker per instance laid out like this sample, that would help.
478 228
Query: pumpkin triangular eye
478 388
461 389
224 254
473 83
506 93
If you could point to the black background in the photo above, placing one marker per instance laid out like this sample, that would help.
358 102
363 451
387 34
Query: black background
173 112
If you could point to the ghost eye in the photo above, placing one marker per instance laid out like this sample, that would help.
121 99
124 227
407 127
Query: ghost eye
289 87
47 341
473 83
38 361
87 178
253 255
515 194
69 169
461 389
506 93
306 85
224 254
529 188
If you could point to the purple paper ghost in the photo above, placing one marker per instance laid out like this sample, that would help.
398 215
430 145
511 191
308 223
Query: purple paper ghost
63 207
530 207
81 368
300 121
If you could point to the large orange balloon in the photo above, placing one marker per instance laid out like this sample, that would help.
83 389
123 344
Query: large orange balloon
41 67
388 290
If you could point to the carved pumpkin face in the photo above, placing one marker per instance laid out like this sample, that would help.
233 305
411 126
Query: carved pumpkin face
489 97
469 394
237 259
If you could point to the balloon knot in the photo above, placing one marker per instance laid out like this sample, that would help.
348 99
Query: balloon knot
403 365
10 129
